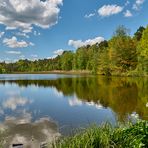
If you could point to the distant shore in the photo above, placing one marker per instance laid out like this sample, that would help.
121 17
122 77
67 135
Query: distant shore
56 72
81 72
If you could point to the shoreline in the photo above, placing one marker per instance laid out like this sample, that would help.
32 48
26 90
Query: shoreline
105 135
80 72
55 72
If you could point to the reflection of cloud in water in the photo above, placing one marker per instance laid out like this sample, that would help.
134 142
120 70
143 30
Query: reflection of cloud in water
12 93
24 118
1 111
77 102
147 104
57 93
134 115
97 105
13 102
27 133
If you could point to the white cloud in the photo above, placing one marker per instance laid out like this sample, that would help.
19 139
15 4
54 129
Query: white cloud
34 55
36 33
1 34
127 3
58 52
22 57
22 34
23 14
137 5
89 15
108 10
52 57
8 60
14 43
139 2
13 52
80 43
31 44
128 14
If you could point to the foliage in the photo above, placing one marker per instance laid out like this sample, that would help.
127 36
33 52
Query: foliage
143 52
123 51
66 60
121 55
123 95
138 33
106 136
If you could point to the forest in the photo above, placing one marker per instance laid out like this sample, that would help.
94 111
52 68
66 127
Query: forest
123 54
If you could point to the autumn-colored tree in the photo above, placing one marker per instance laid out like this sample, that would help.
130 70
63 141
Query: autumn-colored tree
123 52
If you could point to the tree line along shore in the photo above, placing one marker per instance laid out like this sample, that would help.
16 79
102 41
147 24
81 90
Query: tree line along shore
123 54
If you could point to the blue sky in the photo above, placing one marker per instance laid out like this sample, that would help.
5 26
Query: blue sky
35 29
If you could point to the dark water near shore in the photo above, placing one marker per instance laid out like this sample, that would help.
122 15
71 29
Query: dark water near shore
71 100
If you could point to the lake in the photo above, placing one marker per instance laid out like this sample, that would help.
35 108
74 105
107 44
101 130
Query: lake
38 106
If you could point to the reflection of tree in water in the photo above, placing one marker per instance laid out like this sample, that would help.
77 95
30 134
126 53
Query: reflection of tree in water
123 95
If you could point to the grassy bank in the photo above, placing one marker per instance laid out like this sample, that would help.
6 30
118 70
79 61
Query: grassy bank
106 136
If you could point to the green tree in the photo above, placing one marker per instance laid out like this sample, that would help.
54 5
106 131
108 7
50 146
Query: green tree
92 63
143 52
104 63
81 58
67 60
138 33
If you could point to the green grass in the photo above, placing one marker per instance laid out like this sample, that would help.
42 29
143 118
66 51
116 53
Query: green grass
107 136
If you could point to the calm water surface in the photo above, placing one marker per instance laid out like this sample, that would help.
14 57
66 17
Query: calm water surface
68 101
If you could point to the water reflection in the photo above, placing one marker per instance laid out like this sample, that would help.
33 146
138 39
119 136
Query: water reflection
18 125
77 102
23 131
70 101
123 95
13 102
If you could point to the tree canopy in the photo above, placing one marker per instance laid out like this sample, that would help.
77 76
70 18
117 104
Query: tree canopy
122 54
